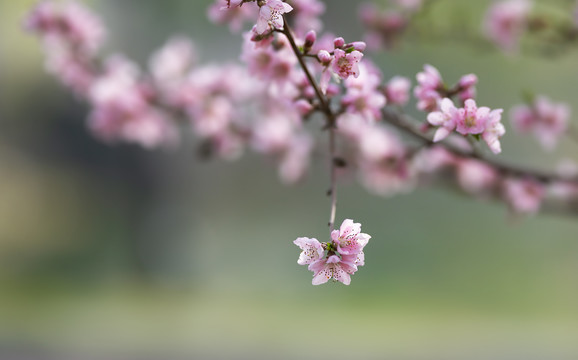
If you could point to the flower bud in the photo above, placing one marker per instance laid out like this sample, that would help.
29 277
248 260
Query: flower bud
359 45
338 42
324 57
310 39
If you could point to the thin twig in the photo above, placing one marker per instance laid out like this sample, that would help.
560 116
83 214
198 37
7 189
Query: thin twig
330 117
300 57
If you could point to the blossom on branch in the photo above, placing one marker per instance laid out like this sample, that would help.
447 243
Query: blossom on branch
468 120
337 259
271 16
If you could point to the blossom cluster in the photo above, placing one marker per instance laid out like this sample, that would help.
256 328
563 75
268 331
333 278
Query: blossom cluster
468 120
547 120
434 97
337 259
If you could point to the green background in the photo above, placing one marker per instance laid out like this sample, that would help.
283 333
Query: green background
115 252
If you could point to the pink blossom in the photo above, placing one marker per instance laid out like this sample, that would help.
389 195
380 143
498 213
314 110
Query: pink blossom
363 96
312 250
271 16
433 159
337 259
467 87
279 133
341 63
72 70
447 119
271 64
546 119
429 83
506 21
122 108
475 176
334 267
171 63
294 162
468 120
523 195
69 24
346 65
349 238
473 119
397 90
494 131
119 86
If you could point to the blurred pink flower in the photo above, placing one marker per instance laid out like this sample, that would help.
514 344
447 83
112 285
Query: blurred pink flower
546 119
397 90
427 91
362 94
474 176
523 195
232 13
506 21
494 131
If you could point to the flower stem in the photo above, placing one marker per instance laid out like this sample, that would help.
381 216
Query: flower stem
333 188
330 117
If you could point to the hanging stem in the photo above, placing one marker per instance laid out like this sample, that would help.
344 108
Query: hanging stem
333 188
330 122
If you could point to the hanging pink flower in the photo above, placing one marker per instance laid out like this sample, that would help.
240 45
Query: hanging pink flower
337 259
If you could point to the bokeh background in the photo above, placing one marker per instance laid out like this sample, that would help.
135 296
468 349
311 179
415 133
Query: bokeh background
114 252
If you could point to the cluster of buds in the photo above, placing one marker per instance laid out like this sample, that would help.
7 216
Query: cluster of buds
337 259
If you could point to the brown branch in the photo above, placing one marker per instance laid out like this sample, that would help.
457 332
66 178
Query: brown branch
300 57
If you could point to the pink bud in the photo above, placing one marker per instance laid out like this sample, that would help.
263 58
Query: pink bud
338 42
324 57
359 45
303 106
333 89
468 80
310 39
